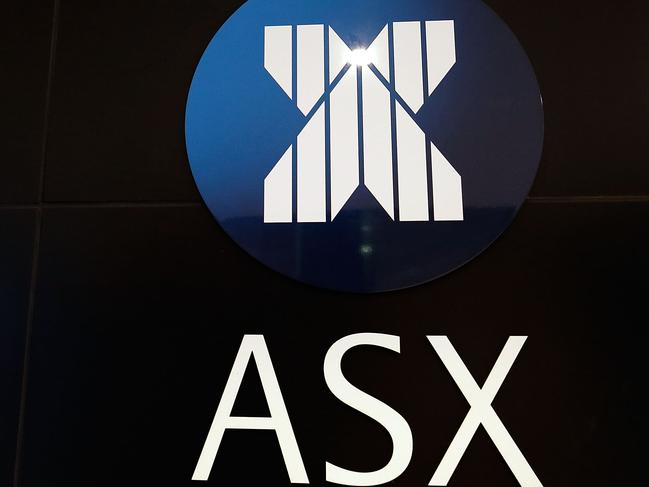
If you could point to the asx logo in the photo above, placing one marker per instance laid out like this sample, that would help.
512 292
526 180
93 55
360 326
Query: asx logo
360 106
364 146
480 399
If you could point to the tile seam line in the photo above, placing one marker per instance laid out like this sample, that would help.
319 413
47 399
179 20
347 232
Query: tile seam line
125 204
38 227
198 204
48 97
588 199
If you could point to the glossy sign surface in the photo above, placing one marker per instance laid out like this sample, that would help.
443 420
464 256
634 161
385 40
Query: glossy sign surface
364 146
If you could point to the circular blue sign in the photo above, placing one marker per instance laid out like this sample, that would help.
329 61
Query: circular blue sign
364 145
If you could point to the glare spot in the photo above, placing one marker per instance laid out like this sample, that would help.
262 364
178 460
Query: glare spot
366 250
360 57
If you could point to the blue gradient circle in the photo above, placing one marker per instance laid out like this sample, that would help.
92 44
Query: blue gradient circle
486 117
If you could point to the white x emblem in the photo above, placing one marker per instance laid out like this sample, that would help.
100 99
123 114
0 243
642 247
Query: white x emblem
367 124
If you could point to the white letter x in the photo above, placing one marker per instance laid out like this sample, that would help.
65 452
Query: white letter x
481 412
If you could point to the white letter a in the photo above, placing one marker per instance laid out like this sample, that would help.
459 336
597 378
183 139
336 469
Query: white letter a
255 346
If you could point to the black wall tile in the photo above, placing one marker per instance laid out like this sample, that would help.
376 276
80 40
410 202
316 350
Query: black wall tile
141 311
25 35
590 60
123 71
16 239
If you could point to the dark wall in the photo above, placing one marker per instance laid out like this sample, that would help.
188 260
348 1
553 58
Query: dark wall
131 302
